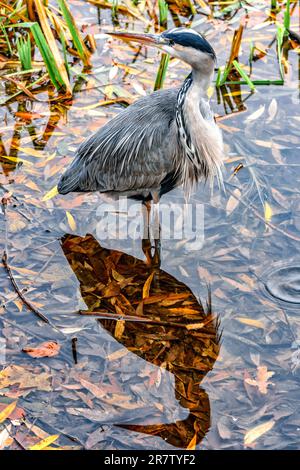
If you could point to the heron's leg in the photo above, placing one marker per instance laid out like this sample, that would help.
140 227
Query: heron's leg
146 242
151 252
156 222
157 251
146 208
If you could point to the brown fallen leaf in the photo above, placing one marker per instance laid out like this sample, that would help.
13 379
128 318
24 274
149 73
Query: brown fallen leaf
262 380
13 375
257 431
46 349
146 288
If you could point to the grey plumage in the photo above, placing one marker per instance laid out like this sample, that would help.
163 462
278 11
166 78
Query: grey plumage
160 141
108 160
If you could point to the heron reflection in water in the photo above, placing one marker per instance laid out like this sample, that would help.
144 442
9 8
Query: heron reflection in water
183 337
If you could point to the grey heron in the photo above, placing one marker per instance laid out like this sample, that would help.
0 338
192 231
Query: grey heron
161 141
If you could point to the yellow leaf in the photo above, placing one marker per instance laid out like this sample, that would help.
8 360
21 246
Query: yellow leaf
53 448
32 152
117 276
71 220
194 326
258 431
119 329
7 411
146 288
183 311
109 91
44 443
210 91
50 194
268 212
193 442
251 322
17 160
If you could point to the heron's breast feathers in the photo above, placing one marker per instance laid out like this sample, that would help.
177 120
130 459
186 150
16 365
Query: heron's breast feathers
199 136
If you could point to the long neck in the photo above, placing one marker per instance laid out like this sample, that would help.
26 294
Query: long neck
199 138
201 82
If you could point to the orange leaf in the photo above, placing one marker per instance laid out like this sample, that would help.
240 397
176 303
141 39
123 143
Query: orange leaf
47 349
146 288
193 442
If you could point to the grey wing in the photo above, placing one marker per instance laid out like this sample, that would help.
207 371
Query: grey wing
132 151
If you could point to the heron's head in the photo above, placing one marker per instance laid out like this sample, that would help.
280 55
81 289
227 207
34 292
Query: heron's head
183 43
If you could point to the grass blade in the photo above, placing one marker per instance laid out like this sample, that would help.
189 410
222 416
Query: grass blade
273 4
235 48
82 50
45 51
287 18
163 13
54 72
243 75
7 40
59 63
218 79
279 37
161 74
24 52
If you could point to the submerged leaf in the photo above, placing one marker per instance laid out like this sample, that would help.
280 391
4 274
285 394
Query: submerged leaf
71 220
268 212
257 114
254 433
52 193
262 380
47 349
44 443
251 322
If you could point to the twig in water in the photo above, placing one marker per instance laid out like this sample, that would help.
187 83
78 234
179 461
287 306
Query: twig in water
136 319
19 292
74 349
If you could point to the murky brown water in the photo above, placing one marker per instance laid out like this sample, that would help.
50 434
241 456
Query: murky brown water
156 387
